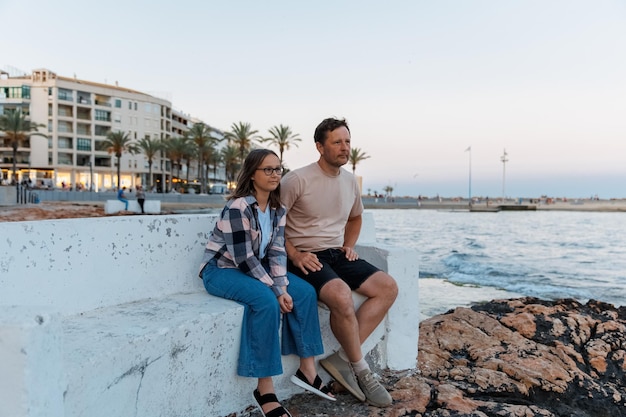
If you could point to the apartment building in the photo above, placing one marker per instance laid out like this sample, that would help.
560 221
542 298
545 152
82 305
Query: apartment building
77 116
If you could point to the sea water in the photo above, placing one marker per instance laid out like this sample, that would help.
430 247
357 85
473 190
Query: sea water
545 254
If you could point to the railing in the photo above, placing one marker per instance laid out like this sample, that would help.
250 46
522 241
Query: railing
26 196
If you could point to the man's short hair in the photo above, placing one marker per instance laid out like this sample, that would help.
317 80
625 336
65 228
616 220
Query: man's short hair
328 125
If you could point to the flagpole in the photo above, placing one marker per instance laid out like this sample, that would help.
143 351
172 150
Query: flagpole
469 149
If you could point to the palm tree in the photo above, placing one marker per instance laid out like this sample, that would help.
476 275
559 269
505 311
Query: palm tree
216 159
150 148
357 156
230 157
189 153
118 143
282 137
177 150
17 129
241 135
201 135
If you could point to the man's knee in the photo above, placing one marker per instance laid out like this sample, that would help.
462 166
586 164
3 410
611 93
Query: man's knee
381 284
391 287
337 295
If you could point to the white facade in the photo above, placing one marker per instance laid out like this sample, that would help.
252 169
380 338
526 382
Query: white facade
77 116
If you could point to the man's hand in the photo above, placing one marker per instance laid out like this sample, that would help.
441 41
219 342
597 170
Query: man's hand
351 254
285 302
306 261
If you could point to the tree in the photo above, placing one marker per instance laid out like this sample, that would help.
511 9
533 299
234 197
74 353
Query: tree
178 149
150 148
201 136
388 190
230 157
282 137
17 130
216 159
357 156
118 143
241 135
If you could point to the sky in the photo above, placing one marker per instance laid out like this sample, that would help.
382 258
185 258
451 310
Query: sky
435 92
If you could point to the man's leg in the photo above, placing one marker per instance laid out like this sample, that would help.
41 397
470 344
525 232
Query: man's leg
337 296
381 291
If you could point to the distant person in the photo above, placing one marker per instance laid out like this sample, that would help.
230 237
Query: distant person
245 261
141 197
324 208
122 197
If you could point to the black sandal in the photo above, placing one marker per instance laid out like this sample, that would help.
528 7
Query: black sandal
269 398
316 387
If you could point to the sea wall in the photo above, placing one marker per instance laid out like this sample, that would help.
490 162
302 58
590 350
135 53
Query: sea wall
107 316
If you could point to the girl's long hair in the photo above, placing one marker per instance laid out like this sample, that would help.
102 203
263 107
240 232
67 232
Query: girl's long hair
245 185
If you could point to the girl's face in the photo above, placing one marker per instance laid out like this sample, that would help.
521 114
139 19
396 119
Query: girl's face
267 183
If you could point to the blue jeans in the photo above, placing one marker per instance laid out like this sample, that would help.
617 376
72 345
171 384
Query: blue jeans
260 348
125 201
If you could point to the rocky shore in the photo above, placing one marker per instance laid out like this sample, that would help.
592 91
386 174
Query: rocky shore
517 357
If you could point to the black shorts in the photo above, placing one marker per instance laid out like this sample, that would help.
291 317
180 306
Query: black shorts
335 265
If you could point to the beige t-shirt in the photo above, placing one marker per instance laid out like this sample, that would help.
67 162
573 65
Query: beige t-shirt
318 206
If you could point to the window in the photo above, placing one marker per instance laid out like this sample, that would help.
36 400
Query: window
83 144
64 111
64 94
83 97
102 130
130 105
83 129
103 115
65 126
118 103
15 92
66 159
64 143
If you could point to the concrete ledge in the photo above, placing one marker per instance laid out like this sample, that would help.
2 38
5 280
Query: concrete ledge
149 206
165 357
115 321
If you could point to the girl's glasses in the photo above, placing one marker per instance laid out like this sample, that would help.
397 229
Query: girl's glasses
270 171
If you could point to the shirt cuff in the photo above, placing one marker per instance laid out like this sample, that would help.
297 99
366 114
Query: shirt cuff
278 290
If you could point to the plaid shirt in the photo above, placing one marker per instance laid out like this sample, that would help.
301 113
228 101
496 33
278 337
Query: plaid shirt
236 238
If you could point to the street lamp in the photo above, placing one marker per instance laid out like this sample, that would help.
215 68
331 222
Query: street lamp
90 176
469 149
504 160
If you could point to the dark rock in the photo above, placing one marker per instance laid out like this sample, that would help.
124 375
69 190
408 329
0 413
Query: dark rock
522 357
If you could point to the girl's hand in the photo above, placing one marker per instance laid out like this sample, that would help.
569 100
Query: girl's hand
286 303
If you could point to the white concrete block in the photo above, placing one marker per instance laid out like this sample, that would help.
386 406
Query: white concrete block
76 265
149 206
172 357
31 371
137 333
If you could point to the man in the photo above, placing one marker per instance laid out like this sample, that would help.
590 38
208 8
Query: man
122 197
324 210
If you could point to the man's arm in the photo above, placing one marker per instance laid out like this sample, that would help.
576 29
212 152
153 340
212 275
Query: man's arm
306 261
351 235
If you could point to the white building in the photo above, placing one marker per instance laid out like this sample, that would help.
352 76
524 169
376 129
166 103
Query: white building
78 115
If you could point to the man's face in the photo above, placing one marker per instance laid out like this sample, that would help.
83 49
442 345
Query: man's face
336 149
